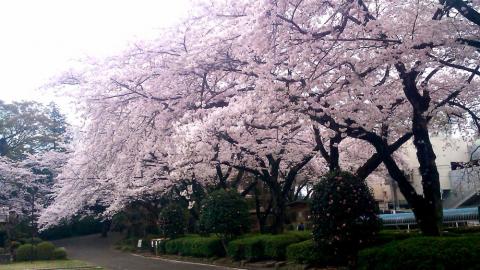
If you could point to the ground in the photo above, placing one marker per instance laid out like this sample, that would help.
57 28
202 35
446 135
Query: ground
99 251
47 265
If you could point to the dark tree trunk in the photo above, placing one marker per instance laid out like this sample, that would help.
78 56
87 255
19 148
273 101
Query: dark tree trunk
262 216
463 8
106 227
334 162
279 212
425 216
376 159
431 212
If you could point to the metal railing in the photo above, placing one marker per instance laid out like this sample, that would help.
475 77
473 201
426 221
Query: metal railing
459 215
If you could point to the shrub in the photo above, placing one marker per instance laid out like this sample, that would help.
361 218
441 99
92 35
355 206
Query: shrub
45 251
195 246
225 213
259 247
26 252
302 235
250 248
424 253
173 220
387 236
344 214
59 254
307 252
275 246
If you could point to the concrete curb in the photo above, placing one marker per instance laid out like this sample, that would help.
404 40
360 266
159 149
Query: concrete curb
185 262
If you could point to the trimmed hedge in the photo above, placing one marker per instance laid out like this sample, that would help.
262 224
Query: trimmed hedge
42 251
59 254
26 252
387 236
264 246
306 253
249 248
275 246
195 246
424 253
45 251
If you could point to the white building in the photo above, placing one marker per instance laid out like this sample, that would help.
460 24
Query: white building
459 171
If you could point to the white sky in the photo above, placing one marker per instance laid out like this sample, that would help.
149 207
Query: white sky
38 39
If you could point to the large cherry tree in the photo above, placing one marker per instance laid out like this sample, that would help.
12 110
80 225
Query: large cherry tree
242 84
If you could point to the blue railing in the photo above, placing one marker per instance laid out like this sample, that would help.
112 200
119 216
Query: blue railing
449 216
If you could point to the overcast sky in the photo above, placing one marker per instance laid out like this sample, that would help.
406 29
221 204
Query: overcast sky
40 38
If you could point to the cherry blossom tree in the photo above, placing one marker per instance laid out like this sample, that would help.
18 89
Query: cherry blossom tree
265 87
26 186
381 71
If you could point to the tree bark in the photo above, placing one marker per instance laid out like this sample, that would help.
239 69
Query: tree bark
430 211
106 227
279 211
432 208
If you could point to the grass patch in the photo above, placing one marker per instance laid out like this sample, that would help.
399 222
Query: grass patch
62 264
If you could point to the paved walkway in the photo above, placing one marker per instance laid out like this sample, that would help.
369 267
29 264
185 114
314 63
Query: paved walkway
99 251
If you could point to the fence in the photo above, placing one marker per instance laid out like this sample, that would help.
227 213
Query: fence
450 216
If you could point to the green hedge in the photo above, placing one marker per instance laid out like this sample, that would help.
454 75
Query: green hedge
387 236
259 247
424 253
195 246
42 251
249 248
26 252
45 251
275 246
306 253
59 254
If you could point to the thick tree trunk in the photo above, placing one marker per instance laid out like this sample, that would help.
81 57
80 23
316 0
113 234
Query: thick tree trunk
279 213
428 211
334 162
106 227
426 217
421 207
262 217
430 177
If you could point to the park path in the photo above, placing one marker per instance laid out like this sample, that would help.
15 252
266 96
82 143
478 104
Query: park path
99 251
